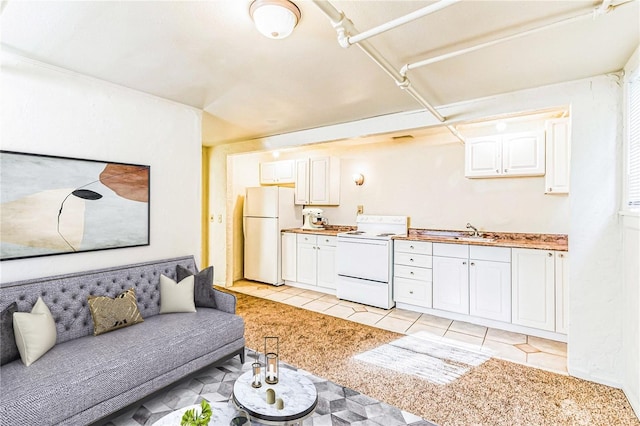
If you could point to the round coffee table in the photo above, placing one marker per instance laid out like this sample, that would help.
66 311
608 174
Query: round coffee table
297 391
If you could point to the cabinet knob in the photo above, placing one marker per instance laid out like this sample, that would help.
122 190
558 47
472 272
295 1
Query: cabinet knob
464 263
410 260
549 254
505 170
561 255
411 273
550 189
497 170
472 263
410 291
411 247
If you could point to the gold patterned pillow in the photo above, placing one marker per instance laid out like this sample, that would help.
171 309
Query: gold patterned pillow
111 314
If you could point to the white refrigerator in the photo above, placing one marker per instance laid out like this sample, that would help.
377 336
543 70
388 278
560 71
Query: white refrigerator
267 210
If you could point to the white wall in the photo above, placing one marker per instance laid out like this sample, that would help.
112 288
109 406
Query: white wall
46 110
631 290
595 277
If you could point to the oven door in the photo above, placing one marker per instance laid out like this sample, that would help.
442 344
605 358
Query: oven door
363 258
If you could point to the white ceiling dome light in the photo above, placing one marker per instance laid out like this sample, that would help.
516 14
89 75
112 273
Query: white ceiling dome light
274 18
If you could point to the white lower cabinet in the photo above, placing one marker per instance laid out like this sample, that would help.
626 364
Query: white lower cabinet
326 267
490 282
562 292
451 277
533 289
412 276
288 258
316 260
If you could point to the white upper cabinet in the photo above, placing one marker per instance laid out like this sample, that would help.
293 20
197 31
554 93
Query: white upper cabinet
509 155
318 181
558 135
277 172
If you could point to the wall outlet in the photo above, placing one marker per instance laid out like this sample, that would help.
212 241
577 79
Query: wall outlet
360 209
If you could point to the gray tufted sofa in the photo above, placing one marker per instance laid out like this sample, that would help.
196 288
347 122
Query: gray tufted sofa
84 378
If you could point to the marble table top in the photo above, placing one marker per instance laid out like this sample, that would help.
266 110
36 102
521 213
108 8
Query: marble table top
298 393
221 414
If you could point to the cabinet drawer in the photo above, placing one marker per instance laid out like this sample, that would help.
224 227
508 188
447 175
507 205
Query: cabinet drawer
496 254
411 259
411 291
406 246
451 250
326 240
306 238
412 272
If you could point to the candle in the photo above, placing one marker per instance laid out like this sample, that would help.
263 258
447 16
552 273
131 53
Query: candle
271 373
256 379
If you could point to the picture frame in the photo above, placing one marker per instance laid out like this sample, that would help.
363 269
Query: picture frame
52 205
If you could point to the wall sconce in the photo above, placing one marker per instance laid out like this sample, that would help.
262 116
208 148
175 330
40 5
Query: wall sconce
358 178
274 18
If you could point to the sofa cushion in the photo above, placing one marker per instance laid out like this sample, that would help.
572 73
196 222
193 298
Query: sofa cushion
8 349
80 373
203 292
35 332
176 297
110 314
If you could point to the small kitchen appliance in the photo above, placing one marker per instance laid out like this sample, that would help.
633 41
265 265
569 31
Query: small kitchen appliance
312 219
364 261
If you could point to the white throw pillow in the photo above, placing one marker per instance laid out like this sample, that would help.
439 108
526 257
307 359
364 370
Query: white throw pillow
35 332
176 297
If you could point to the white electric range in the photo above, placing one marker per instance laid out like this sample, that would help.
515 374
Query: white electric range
365 260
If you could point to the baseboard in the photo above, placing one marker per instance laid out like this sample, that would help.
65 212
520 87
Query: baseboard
584 375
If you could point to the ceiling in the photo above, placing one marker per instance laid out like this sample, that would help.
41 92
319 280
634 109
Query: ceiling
207 54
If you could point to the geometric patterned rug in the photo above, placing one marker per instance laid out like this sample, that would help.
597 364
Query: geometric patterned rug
337 405
421 355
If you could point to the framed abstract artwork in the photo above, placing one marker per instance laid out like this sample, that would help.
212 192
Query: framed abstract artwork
55 205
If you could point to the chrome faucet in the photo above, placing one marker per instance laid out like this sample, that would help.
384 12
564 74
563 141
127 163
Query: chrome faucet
475 232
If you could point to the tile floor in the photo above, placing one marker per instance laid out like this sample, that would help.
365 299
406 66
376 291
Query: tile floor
515 347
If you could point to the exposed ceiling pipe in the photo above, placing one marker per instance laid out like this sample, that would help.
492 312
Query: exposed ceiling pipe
353 39
602 9
345 28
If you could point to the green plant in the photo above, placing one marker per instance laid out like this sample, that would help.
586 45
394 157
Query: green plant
193 418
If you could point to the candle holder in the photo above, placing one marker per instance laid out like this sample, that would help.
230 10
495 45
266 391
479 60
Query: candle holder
256 369
272 363
256 375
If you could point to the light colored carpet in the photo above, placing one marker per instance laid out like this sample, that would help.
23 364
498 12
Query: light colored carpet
423 356
496 392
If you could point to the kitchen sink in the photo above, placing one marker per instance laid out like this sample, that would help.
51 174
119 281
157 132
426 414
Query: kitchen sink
471 238
455 235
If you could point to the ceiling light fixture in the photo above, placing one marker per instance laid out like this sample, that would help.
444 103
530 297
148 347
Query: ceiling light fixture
274 18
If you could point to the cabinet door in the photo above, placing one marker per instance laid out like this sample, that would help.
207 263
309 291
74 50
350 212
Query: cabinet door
558 156
326 266
302 182
306 264
285 171
451 284
268 173
533 288
562 291
483 157
288 258
490 289
523 154
319 180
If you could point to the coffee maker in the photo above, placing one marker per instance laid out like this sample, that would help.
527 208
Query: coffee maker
312 219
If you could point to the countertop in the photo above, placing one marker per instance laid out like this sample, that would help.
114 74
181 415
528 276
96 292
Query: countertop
558 242
328 230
